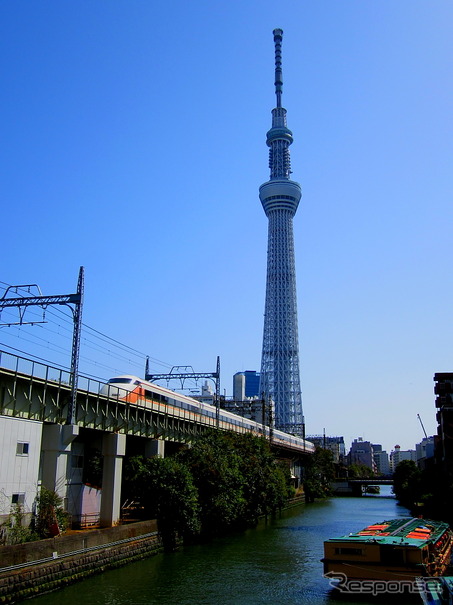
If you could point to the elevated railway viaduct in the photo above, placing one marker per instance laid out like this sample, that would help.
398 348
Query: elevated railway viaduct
41 395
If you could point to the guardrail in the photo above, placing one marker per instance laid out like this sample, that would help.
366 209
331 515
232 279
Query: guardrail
47 373
56 556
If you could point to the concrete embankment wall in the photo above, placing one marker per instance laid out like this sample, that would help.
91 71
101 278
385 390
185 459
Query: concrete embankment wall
33 568
296 501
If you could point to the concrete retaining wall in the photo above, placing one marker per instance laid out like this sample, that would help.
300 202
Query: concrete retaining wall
33 579
97 551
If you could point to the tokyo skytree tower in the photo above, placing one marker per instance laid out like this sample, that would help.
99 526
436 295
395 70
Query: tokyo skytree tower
280 378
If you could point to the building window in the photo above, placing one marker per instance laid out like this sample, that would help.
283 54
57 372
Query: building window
18 499
22 448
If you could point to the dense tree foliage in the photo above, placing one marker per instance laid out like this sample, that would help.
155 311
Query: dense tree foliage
166 491
216 470
407 483
238 479
360 471
319 472
426 492
222 481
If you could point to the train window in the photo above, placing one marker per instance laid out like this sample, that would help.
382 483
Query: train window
120 380
149 394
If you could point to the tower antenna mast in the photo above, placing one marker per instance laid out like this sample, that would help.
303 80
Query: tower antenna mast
279 377
278 34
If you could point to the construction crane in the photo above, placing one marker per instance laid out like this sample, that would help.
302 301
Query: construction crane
418 416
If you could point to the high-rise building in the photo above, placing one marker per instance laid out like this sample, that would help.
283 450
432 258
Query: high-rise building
381 459
425 449
397 455
361 452
246 384
444 404
280 378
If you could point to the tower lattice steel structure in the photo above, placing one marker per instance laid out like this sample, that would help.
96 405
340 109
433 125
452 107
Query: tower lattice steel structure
280 378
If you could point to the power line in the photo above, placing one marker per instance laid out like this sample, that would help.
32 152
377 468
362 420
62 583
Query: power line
58 317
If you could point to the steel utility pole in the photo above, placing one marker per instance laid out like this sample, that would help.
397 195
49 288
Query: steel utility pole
175 373
23 302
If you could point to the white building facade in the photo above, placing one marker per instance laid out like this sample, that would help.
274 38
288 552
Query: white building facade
397 455
19 469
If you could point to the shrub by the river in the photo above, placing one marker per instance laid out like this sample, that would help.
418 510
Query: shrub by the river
51 518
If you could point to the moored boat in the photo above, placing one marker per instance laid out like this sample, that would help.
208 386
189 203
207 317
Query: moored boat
372 489
437 591
394 550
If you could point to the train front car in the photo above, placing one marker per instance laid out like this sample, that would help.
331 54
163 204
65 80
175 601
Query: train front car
124 388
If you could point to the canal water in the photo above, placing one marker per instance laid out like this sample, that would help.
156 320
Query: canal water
276 563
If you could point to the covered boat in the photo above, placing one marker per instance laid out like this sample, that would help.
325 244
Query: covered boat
392 550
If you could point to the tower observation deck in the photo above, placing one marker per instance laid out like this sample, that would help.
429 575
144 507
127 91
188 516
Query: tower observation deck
280 378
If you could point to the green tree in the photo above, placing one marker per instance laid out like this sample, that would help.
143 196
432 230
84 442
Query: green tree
215 466
360 471
319 472
266 482
222 481
238 480
407 483
167 493
436 497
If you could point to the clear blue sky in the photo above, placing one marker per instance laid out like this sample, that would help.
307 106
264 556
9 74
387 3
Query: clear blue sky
133 143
